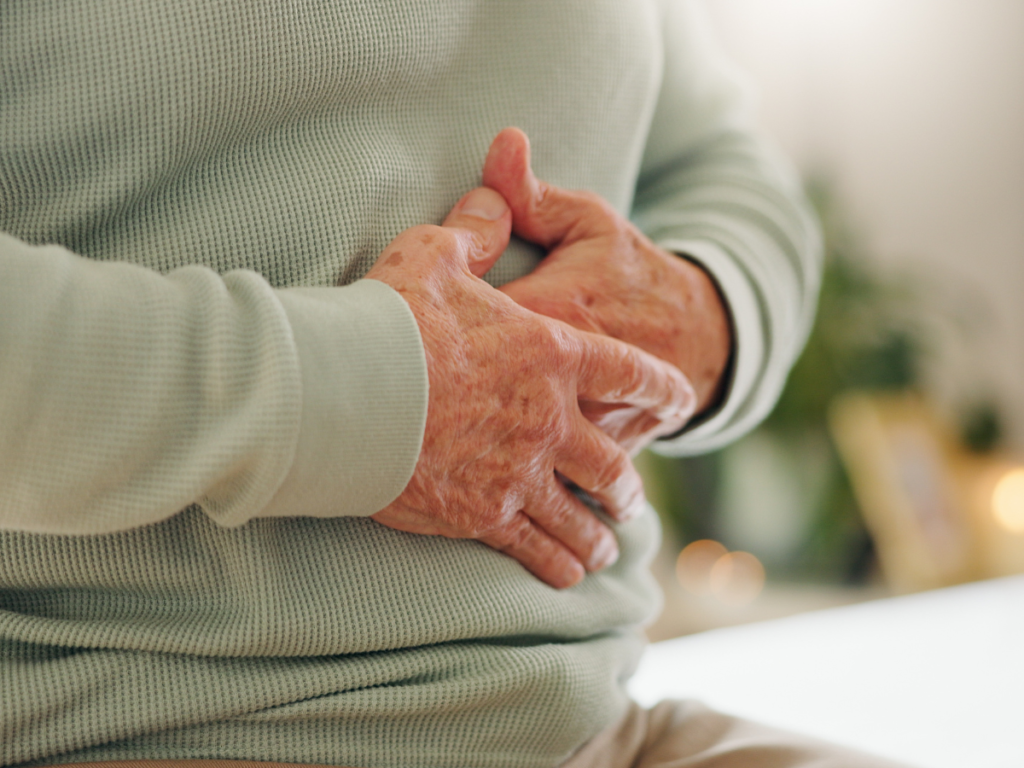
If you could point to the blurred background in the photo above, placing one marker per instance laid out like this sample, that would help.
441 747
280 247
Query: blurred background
894 461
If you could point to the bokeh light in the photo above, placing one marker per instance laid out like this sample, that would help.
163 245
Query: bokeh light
1008 501
694 564
707 569
737 578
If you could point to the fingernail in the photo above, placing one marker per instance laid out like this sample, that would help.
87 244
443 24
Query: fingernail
484 203
606 553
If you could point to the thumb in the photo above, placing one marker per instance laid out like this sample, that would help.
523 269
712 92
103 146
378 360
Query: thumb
541 213
487 217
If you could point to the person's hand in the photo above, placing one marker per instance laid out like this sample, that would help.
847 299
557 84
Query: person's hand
503 421
603 275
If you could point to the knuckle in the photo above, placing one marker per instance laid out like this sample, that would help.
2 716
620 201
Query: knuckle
592 199
635 369
630 367
612 472
504 515
597 205
445 239
558 514
440 241
548 339
452 239
517 534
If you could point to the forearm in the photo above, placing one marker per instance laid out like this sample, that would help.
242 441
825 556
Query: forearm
713 190
126 396
697 335
752 234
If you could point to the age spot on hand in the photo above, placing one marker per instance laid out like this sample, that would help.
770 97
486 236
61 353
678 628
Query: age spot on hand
395 259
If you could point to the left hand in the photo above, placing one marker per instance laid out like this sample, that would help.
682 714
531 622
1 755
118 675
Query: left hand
603 275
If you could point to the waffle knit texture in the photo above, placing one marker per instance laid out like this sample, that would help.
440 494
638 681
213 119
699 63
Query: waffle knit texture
200 399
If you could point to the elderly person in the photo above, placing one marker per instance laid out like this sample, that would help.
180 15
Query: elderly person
255 506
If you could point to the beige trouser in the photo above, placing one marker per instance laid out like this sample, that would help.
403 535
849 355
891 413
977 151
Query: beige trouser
686 734
674 734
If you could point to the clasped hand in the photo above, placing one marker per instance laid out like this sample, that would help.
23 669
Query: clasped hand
526 394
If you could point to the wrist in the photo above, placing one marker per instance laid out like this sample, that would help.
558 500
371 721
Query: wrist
708 352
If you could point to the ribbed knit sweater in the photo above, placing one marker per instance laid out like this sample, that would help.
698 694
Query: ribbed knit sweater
200 401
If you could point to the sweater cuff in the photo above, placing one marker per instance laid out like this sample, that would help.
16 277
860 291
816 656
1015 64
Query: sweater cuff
364 400
748 345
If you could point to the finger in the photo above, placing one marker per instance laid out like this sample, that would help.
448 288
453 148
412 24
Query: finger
611 371
486 215
599 466
542 213
630 427
539 553
611 418
565 518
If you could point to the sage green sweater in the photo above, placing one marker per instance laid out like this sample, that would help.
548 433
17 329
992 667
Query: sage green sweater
200 401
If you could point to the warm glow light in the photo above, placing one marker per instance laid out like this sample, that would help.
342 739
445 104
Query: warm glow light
1008 501
737 578
693 567
706 568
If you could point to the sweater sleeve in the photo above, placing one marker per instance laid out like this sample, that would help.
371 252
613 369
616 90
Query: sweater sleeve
126 395
711 189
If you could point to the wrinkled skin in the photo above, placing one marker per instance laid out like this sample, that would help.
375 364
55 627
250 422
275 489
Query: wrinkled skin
603 275
504 423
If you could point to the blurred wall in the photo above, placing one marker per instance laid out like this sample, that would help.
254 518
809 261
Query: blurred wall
915 110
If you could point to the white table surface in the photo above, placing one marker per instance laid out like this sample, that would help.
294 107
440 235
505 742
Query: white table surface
935 679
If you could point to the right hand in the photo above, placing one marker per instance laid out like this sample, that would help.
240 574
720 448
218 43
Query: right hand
503 421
